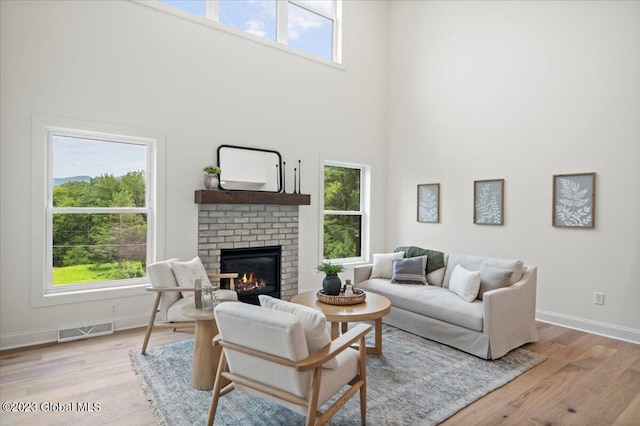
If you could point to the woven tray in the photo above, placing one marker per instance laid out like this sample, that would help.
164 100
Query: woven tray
358 297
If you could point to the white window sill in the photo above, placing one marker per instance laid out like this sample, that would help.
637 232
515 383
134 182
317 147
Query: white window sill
82 296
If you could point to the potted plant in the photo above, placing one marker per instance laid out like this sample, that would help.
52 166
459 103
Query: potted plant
331 284
211 177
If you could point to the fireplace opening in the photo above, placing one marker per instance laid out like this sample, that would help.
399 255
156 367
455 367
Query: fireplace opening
258 271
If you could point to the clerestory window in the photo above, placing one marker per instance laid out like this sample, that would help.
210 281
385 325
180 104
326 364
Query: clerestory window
310 26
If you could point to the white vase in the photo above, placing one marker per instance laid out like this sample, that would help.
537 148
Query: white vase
211 181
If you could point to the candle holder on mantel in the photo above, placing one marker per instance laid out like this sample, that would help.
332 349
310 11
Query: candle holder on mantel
297 178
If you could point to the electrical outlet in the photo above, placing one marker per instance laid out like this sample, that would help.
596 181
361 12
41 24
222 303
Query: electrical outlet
598 298
113 310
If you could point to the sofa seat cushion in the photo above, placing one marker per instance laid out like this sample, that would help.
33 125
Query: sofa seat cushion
431 301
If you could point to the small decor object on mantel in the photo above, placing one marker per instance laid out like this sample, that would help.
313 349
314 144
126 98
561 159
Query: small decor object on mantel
331 285
211 177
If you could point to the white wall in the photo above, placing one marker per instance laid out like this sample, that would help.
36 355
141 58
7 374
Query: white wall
123 63
522 91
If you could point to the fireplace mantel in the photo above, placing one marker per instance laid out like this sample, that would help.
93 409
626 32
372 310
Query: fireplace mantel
212 196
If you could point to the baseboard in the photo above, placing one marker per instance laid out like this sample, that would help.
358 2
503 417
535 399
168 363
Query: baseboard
602 329
39 337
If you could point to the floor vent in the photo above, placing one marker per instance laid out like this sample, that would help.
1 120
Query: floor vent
84 332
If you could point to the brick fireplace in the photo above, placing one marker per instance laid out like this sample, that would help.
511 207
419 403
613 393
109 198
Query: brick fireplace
248 219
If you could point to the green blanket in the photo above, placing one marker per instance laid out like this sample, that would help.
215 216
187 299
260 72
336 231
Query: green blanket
435 259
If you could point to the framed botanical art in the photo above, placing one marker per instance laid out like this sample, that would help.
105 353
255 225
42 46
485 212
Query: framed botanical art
429 203
574 197
488 202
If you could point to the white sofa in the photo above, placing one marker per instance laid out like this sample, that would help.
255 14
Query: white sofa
502 320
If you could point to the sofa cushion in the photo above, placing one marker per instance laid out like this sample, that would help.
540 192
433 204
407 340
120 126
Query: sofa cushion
465 283
313 322
432 301
474 263
492 278
437 277
383 264
410 271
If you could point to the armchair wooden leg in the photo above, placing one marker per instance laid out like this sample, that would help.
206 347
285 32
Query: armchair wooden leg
363 376
152 319
312 409
222 366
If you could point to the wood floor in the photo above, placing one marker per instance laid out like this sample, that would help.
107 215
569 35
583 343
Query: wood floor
586 380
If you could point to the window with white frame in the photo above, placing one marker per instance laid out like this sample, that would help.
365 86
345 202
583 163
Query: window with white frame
345 225
99 210
310 26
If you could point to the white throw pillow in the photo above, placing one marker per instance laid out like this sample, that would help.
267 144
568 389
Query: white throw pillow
313 322
187 272
383 264
465 284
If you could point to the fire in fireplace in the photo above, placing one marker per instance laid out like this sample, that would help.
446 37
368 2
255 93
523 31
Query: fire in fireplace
258 271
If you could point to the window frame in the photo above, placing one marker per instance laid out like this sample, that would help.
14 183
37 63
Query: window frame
43 129
212 19
364 212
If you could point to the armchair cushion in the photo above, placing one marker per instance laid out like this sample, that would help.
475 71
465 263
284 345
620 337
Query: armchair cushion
187 273
174 313
161 275
313 322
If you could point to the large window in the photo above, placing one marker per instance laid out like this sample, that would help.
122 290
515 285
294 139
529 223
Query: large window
311 26
98 215
345 212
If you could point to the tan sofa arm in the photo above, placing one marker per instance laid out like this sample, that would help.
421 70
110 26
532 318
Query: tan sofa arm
361 273
509 314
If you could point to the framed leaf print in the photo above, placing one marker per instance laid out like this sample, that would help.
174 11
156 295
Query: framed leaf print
488 202
429 203
574 198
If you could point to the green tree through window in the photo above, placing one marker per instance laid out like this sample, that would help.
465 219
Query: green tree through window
343 212
98 222
109 246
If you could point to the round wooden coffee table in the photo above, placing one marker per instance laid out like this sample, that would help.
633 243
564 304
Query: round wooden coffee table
373 308
205 355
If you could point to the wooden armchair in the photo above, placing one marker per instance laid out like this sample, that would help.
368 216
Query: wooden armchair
265 352
170 297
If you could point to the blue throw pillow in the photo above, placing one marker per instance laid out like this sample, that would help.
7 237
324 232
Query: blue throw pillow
410 270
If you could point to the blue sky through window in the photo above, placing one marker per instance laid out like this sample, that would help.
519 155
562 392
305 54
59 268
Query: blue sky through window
197 7
257 17
310 32
88 157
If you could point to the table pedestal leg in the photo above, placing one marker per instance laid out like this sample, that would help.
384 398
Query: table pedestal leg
205 355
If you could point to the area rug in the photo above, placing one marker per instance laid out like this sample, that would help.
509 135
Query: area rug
415 382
